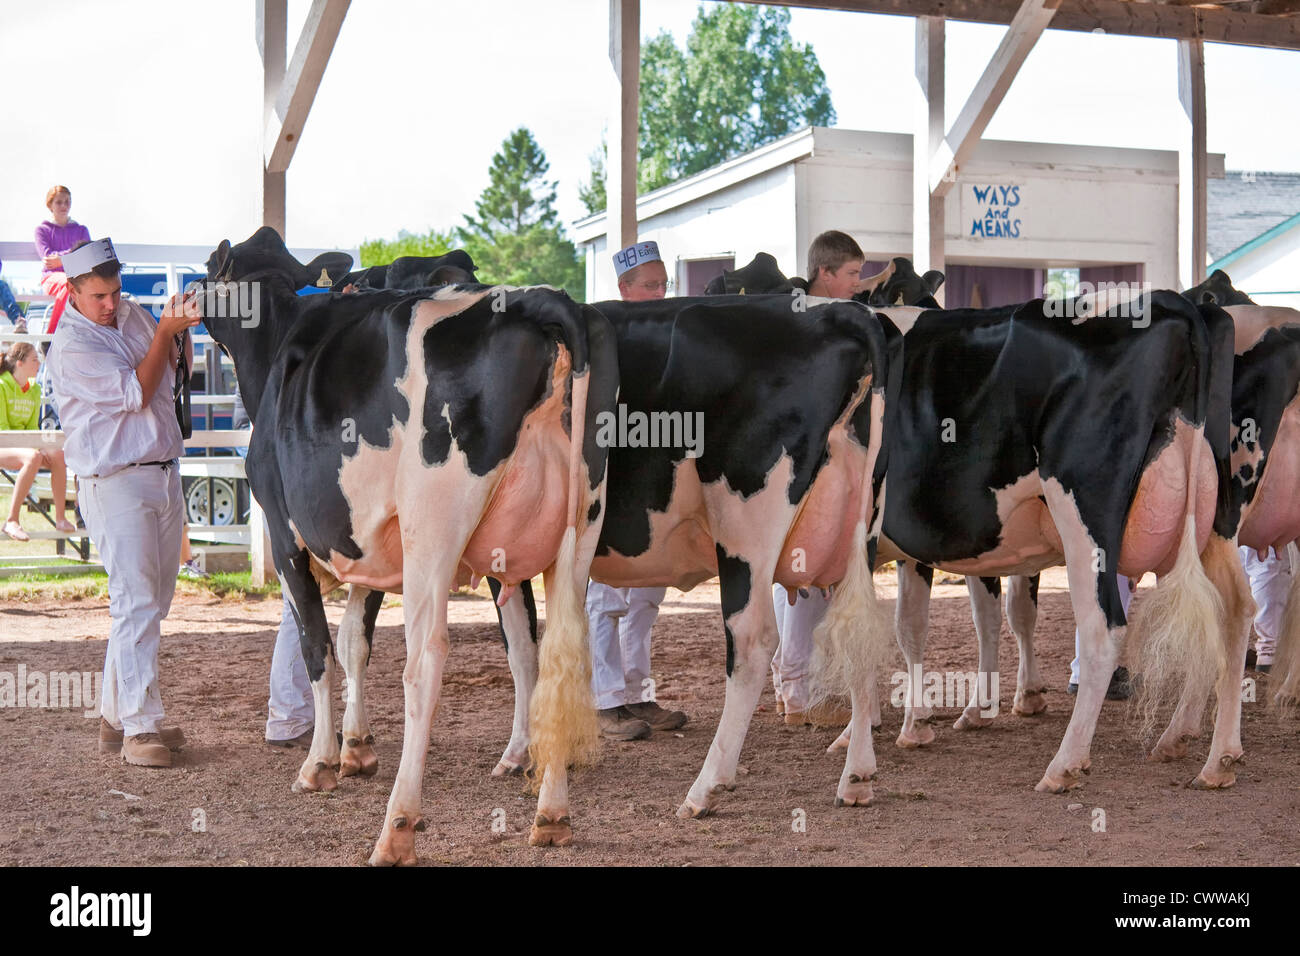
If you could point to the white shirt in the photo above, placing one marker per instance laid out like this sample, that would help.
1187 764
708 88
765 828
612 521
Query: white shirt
99 398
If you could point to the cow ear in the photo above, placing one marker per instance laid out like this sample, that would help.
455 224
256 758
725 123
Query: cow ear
332 265
933 279
218 260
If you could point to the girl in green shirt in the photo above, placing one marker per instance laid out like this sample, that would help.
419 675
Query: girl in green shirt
20 409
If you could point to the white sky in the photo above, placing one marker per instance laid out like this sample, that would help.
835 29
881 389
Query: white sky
150 110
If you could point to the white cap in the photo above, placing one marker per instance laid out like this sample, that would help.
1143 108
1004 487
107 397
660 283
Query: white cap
78 262
635 255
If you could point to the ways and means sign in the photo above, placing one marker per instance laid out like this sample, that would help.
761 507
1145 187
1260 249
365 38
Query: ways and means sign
996 221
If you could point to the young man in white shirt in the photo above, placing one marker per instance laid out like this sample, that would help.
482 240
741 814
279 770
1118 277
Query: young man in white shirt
114 370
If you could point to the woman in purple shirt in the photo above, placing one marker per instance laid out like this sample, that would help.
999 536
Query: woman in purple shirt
54 238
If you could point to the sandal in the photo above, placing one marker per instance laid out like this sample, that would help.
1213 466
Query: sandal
63 524
15 531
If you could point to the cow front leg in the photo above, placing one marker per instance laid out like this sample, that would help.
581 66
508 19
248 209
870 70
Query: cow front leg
752 639
1022 616
1223 567
356 632
983 706
518 621
912 618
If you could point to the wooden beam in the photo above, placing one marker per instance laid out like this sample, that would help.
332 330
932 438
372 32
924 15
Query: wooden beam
301 80
1098 16
927 134
1192 165
1029 23
272 39
620 170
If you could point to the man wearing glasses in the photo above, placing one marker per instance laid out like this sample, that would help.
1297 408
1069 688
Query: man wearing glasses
620 619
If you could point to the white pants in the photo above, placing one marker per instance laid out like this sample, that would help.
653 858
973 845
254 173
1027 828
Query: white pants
134 518
1270 580
620 620
795 623
1125 598
291 710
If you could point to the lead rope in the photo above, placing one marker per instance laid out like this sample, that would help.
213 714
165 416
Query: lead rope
181 390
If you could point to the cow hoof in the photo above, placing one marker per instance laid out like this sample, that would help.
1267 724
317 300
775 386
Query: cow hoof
397 846
548 832
1164 752
359 758
971 720
1215 781
505 768
841 742
314 777
1030 704
689 811
1050 784
855 793
919 736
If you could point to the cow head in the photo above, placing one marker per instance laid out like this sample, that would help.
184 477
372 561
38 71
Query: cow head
263 255
762 275
898 284
421 272
1217 290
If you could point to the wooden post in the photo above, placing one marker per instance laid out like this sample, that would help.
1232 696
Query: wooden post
1193 164
620 170
927 134
272 32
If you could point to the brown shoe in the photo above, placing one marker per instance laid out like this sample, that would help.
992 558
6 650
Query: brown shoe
656 716
617 723
830 713
303 740
146 750
110 738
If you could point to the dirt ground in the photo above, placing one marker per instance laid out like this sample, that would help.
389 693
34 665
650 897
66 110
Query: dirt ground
967 799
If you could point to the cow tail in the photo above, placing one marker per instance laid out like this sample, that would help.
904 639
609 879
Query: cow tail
1181 625
1284 680
855 639
562 717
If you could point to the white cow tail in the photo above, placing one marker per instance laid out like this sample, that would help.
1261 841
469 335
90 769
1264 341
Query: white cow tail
855 638
1284 680
562 718
1181 625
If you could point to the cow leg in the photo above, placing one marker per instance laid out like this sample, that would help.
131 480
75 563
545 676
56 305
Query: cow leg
319 770
1185 725
518 620
1093 591
1022 615
356 634
427 581
984 594
911 618
752 639
1223 568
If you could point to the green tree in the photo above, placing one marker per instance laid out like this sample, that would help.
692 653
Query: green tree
380 252
741 82
515 236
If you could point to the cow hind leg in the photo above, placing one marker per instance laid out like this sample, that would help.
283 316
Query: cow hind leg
519 625
911 618
1022 615
356 631
426 583
320 770
1223 567
983 707
750 626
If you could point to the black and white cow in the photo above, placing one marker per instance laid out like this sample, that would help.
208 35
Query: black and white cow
412 272
409 441
783 484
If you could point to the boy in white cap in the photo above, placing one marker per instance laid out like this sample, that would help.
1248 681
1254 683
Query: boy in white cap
620 619
114 371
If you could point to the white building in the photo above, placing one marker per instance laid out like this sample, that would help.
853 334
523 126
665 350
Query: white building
1254 234
1017 210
